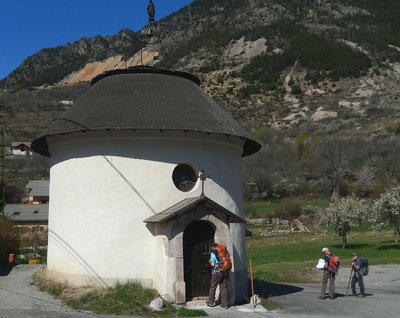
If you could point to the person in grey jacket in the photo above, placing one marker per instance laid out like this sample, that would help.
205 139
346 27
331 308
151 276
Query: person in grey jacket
357 276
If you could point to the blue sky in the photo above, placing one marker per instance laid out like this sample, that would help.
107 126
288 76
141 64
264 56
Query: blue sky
27 26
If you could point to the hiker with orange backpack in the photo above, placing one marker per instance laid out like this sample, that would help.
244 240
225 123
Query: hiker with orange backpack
221 264
330 269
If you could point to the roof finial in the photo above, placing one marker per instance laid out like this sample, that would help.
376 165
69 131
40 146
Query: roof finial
151 10
151 36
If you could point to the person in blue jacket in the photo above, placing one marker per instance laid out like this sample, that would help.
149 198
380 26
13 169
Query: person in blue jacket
218 277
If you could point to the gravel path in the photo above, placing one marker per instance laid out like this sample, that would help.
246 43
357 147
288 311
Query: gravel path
301 301
20 299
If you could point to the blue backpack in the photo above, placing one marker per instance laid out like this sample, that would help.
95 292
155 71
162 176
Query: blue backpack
364 265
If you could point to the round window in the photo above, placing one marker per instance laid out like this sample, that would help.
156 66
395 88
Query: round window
184 177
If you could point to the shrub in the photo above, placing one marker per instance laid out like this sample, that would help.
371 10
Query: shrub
289 211
250 211
8 239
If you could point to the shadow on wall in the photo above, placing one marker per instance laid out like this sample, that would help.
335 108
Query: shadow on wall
76 257
129 184
266 289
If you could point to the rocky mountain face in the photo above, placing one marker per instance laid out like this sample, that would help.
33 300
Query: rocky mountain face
321 66
51 65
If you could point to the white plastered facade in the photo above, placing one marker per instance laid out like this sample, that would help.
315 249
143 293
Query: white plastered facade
104 185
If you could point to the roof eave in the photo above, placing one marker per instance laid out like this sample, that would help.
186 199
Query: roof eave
40 145
179 209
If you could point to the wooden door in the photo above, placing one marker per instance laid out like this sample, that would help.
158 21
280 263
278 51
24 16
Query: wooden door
197 240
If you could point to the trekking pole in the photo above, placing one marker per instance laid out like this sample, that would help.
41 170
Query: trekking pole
348 285
253 305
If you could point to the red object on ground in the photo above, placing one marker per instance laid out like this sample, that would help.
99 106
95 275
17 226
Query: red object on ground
11 258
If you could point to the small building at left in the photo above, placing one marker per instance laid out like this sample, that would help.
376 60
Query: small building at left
36 211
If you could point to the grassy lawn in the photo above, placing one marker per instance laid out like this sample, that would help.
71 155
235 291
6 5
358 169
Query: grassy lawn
292 257
270 208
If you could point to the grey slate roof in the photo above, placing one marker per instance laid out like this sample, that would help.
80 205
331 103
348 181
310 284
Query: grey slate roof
38 188
179 209
27 212
143 98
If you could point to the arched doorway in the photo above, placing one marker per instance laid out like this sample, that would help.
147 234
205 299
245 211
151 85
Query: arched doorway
197 239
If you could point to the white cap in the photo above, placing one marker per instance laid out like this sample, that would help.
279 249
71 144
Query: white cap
325 249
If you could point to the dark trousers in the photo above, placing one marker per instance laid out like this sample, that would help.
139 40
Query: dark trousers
357 278
221 279
328 276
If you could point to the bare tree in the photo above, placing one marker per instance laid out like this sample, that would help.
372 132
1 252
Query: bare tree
383 158
271 164
335 157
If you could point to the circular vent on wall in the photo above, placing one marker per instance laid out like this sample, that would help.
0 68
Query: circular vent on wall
184 177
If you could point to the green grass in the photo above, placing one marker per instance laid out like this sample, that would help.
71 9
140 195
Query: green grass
123 299
184 312
270 208
270 304
262 208
292 258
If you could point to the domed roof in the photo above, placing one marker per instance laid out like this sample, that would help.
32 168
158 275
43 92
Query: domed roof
144 98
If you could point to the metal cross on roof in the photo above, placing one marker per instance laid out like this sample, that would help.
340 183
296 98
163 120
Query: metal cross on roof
202 177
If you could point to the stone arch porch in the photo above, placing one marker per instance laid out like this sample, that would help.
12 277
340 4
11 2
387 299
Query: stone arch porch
172 223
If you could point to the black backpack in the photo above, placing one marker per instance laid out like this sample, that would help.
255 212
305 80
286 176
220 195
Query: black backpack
364 265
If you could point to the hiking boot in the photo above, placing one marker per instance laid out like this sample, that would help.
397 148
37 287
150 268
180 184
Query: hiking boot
320 297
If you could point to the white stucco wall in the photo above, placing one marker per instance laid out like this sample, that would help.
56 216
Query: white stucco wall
103 186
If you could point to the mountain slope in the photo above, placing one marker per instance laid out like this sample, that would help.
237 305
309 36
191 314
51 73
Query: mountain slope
317 82
295 64
51 65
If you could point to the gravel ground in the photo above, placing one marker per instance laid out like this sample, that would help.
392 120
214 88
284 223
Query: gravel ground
301 301
20 299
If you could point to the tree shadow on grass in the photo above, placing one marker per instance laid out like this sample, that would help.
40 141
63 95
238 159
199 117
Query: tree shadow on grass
351 246
266 289
389 247
388 241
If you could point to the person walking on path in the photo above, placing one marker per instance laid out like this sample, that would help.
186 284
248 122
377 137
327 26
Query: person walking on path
327 275
218 277
357 276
